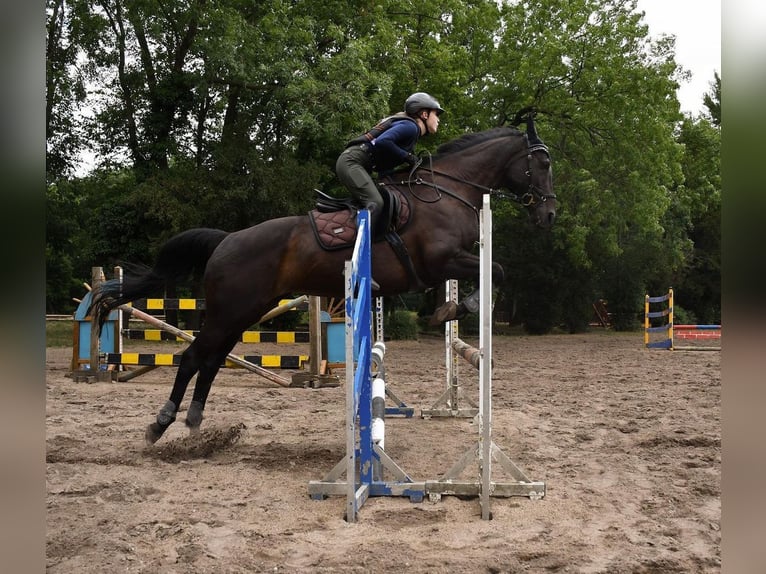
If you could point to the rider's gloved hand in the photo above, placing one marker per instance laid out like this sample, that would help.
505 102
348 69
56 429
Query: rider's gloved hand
413 160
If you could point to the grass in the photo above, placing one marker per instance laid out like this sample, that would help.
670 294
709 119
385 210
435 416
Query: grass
58 333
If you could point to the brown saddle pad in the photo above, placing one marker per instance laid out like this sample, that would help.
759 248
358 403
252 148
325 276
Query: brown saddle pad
337 229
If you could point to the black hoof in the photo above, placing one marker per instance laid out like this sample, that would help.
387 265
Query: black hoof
194 417
153 433
446 312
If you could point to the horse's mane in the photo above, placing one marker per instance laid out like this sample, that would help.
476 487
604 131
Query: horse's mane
472 139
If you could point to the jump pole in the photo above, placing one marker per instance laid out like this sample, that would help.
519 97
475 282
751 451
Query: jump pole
150 319
232 358
315 378
485 449
696 333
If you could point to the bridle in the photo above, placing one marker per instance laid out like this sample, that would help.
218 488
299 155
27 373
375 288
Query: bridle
529 199
534 193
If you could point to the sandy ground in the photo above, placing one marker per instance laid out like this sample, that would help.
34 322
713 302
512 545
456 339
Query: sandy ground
627 440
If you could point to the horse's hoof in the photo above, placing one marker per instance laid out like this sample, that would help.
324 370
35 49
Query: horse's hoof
194 424
153 433
446 312
194 416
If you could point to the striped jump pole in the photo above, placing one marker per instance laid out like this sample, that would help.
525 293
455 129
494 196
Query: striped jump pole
469 353
289 337
378 394
696 334
273 377
378 424
109 363
697 331
254 363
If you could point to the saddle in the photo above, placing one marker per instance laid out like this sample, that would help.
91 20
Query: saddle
334 225
334 219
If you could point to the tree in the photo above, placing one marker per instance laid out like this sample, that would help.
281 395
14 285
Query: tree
608 109
224 113
698 283
65 89
712 101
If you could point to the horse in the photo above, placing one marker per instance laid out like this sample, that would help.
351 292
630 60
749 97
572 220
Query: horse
247 272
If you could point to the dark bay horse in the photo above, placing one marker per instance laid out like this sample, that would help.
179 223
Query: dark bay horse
247 272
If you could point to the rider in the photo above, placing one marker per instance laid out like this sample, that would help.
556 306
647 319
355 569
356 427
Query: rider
390 143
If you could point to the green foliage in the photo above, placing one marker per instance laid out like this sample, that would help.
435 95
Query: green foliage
712 100
698 283
65 92
401 325
683 317
227 113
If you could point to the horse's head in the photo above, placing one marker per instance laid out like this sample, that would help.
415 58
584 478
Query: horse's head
485 163
531 174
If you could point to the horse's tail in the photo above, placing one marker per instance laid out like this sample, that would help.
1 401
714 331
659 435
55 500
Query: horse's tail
181 256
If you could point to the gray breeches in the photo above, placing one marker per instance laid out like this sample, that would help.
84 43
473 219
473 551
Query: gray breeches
354 168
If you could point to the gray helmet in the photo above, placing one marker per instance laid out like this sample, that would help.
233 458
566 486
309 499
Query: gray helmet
421 101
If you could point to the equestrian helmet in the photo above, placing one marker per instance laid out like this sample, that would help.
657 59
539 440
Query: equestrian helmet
421 101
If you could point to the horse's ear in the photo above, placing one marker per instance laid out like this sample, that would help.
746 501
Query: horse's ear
531 128
532 136
519 117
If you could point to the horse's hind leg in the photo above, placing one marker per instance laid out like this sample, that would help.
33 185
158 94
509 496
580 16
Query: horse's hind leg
194 414
208 370
167 415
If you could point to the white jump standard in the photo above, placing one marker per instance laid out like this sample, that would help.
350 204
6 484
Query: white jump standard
485 449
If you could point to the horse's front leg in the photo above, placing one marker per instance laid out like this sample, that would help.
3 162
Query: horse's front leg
466 266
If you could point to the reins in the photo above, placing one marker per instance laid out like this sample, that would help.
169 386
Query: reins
528 199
